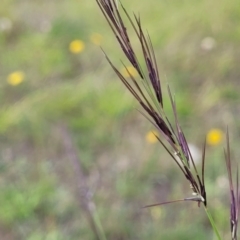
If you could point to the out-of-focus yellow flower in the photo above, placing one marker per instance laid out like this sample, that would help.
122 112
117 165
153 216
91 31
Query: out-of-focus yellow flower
214 136
125 72
96 38
156 213
15 78
76 46
151 137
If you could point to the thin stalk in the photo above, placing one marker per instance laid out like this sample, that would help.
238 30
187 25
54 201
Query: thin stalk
85 202
214 227
101 233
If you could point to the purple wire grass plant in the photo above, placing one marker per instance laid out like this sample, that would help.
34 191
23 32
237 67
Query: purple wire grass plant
146 89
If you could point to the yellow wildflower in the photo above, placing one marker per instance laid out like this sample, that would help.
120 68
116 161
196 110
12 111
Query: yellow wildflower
156 213
214 136
15 78
96 38
76 46
151 136
130 69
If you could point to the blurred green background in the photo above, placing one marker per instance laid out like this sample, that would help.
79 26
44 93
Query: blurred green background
68 125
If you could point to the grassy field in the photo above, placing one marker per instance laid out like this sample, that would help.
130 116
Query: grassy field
77 160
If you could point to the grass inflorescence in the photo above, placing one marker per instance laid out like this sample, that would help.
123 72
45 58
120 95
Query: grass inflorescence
145 86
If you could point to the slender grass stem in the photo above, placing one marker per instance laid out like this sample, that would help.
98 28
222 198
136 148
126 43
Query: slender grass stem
214 227
101 233
86 202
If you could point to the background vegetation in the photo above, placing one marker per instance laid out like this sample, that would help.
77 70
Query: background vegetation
60 101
